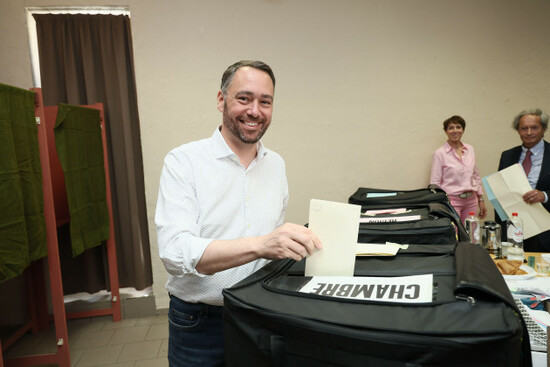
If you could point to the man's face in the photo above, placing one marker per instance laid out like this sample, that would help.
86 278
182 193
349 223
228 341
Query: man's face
248 105
530 130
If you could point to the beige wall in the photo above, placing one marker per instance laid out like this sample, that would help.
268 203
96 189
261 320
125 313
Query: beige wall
362 86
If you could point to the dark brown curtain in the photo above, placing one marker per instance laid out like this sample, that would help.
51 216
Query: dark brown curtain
86 59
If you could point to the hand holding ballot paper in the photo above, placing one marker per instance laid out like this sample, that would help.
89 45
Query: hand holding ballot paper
332 268
506 189
337 225
534 157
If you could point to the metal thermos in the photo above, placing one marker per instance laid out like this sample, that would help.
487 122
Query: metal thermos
490 238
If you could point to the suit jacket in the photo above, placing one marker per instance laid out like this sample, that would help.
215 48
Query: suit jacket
510 157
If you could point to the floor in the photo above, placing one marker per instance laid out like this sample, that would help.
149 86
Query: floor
97 341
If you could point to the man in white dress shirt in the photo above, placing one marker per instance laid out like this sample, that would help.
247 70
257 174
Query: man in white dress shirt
220 213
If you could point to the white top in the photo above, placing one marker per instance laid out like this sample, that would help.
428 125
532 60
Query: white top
206 194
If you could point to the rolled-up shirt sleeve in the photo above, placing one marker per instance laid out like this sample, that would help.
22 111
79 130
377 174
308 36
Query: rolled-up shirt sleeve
177 217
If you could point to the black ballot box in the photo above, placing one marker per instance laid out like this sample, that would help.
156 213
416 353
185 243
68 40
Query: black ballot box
464 316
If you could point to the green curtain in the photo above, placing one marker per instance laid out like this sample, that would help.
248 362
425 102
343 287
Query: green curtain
80 150
22 224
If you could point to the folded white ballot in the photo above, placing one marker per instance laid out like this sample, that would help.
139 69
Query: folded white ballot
377 249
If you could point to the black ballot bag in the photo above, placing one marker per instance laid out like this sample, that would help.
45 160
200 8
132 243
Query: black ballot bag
426 216
416 226
471 320
372 198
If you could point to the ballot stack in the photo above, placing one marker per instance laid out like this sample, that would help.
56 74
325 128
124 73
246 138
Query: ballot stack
422 216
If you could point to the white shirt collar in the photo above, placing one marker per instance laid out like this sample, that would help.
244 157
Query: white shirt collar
536 149
222 150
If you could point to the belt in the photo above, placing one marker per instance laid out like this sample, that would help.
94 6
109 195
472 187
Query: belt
200 307
465 195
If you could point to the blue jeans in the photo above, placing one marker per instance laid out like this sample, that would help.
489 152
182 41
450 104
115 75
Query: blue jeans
195 334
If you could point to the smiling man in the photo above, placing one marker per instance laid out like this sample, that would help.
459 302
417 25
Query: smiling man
534 156
220 214
246 115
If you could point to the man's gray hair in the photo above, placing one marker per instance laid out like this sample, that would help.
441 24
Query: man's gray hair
534 111
231 70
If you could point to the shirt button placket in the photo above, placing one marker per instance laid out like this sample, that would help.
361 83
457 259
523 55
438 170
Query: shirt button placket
248 197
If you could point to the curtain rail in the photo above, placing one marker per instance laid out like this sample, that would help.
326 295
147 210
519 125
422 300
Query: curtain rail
104 10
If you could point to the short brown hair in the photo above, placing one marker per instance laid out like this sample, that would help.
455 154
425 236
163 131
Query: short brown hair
454 120
229 73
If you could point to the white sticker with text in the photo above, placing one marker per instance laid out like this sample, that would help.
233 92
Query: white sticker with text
406 289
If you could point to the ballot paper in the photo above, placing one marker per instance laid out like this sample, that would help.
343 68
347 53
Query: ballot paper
406 289
337 226
505 189
386 211
378 249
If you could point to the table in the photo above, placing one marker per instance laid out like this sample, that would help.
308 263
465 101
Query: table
539 359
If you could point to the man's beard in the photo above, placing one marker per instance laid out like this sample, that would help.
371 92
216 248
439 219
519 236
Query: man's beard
235 127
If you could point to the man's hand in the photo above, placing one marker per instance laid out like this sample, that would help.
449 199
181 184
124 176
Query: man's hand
289 241
533 196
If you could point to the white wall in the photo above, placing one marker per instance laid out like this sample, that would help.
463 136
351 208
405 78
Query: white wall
362 86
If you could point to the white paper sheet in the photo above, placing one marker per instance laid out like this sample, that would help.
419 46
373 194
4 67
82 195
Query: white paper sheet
386 211
508 186
337 225
377 249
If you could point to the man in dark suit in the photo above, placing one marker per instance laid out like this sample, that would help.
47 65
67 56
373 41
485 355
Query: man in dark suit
534 155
